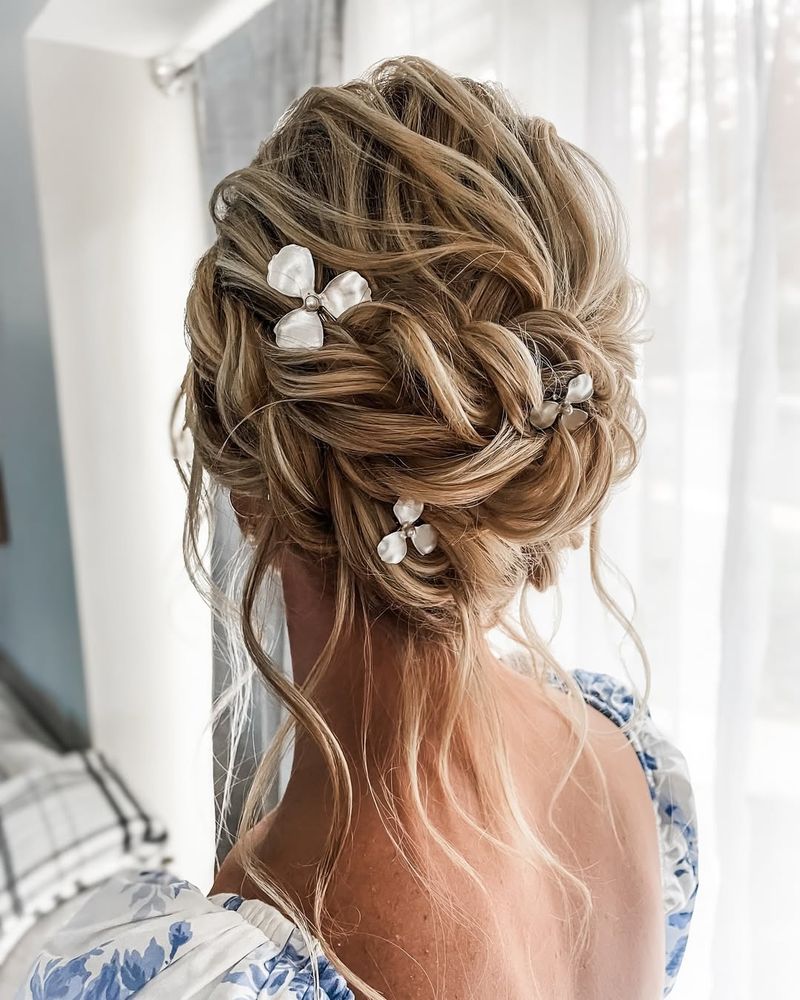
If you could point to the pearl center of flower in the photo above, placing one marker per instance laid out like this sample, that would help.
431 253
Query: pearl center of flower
406 530
311 302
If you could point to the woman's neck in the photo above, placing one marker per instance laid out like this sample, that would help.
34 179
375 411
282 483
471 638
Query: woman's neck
364 673
294 836
365 654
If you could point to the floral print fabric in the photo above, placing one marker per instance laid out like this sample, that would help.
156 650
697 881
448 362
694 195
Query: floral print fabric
155 937
150 935
673 800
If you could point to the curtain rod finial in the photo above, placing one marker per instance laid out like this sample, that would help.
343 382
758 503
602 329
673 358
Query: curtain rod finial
172 71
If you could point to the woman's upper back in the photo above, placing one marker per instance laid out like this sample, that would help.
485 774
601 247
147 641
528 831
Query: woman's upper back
515 933
151 929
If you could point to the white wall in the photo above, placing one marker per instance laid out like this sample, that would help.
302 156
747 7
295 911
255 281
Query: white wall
38 614
142 28
122 223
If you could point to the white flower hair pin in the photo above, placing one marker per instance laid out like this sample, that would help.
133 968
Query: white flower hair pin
393 547
579 390
291 272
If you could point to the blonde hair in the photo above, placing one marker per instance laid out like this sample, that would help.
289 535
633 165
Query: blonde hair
496 252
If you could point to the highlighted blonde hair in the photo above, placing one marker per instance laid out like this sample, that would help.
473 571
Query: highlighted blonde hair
496 252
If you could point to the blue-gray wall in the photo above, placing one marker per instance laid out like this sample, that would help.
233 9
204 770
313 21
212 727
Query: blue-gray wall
38 616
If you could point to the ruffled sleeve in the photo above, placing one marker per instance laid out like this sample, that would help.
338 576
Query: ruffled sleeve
673 800
152 935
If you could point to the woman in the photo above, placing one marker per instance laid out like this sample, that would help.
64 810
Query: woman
412 348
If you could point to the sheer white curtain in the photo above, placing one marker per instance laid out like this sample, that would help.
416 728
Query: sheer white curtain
693 107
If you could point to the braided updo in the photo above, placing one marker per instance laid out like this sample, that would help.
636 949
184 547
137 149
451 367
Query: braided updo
495 251
496 256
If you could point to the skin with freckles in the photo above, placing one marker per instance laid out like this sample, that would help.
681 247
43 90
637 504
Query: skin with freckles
511 938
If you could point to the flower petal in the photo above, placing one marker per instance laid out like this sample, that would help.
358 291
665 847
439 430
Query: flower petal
299 330
407 511
291 271
545 416
346 290
425 539
392 548
580 388
572 421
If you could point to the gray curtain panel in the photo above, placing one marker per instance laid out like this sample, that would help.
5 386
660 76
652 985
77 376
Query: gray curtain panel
246 82
242 87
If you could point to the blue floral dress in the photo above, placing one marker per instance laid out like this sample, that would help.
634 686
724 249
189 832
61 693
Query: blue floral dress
155 937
